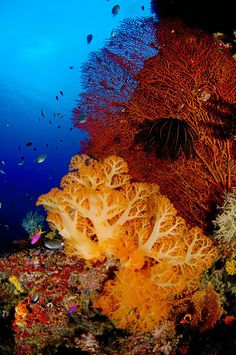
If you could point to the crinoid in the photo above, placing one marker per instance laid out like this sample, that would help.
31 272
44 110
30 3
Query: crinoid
169 137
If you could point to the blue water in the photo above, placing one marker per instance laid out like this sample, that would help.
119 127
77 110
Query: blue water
40 41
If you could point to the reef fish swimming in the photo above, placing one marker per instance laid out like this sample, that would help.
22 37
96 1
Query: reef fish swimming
54 244
36 237
72 309
115 10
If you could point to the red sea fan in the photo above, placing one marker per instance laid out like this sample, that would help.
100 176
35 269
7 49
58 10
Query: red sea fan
191 78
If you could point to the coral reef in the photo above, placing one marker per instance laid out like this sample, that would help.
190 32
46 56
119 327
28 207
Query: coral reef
101 214
53 283
128 256
204 98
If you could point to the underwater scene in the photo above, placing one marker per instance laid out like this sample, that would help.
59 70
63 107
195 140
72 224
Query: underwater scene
117 177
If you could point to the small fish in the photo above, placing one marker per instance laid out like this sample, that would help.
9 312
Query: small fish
54 244
71 67
59 126
142 8
21 162
72 309
0 204
50 122
82 118
3 162
41 158
35 149
56 97
61 92
59 115
113 33
42 113
2 172
37 236
115 10
228 320
28 144
4 314
186 319
72 212
35 297
89 38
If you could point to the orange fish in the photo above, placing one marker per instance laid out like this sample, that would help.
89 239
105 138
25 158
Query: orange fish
186 319
228 320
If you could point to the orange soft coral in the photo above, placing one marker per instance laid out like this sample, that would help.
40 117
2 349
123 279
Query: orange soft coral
101 213
93 204
132 301
160 261
178 253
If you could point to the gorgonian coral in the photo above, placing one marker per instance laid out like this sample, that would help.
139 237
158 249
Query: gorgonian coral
101 213
191 78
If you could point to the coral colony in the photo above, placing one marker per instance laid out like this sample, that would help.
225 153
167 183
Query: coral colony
192 78
139 253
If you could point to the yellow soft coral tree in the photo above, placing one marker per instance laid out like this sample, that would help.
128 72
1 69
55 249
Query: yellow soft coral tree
101 213
95 200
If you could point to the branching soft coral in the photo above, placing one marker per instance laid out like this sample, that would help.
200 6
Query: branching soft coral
161 258
133 302
177 253
101 213
93 204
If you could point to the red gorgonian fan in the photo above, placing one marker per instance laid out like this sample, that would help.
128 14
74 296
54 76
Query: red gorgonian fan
191 78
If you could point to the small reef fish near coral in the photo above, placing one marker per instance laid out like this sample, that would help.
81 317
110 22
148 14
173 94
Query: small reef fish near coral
35 238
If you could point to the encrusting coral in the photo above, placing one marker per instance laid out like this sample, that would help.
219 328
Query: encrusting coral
101 213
